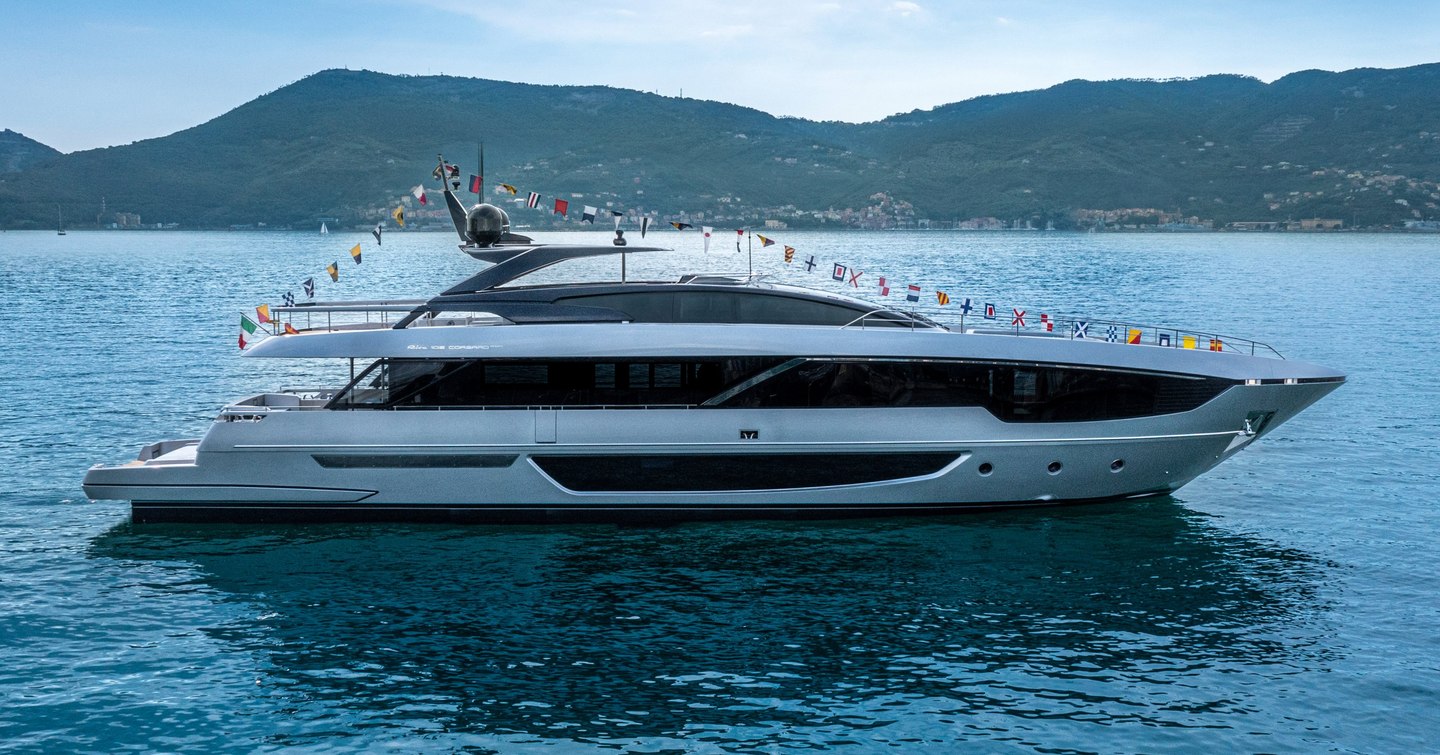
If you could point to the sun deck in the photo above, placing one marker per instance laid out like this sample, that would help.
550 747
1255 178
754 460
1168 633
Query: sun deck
335 317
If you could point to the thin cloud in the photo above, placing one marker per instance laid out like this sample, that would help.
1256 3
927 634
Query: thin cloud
905 8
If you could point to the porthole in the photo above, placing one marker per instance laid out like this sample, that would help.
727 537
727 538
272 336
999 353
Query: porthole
1117 465
985 469
1054 467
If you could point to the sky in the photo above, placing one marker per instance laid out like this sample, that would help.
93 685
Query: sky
86 73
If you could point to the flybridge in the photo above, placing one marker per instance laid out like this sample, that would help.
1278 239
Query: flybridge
483 299
399 314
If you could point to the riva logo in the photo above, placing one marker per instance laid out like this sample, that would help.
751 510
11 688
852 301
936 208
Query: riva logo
749 435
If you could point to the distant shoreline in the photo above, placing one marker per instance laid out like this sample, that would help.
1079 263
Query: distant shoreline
966 231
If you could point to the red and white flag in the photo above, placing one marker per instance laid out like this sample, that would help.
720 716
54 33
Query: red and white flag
419 192
884 288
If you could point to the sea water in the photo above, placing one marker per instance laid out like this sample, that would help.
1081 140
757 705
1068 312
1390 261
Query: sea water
1285 601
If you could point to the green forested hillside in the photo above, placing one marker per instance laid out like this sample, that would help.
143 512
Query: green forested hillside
1361 145
18 152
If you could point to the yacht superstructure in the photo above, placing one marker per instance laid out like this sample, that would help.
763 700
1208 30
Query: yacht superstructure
701 397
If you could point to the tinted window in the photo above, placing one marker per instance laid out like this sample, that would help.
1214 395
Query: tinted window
1010 392
722 306
640 306
387 381
414 383
1014 393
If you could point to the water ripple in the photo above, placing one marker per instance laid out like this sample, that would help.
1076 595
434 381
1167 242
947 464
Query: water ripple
1283 602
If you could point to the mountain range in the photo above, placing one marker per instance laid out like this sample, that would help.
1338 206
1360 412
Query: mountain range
1360 145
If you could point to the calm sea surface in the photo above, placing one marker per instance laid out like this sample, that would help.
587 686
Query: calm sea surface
1287 601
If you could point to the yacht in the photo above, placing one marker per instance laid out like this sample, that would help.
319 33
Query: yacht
700 397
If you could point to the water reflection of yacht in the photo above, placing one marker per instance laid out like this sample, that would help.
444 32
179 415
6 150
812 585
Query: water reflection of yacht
705 396
1149 612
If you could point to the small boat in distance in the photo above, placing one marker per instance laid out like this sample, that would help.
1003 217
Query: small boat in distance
323 229
59 221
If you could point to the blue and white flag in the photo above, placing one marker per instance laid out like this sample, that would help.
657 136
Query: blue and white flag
533 201
288 299
965 306
644 225
1163 339
1112 334
309 286
588 215
1081 329
810 264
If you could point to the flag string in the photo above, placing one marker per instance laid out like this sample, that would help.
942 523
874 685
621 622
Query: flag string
844 274
848 276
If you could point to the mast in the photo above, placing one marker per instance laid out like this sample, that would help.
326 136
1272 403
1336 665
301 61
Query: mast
452 203
750 251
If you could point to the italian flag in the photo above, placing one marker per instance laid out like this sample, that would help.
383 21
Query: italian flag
247 326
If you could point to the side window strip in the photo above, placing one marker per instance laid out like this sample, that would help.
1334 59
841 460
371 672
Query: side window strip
757 379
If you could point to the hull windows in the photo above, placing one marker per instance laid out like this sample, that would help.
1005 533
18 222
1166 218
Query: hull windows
731 472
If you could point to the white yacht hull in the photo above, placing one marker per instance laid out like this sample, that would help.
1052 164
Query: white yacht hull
540 465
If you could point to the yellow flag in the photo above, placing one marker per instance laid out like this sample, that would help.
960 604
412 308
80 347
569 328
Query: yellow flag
1188 342
355 253
334 270
399 215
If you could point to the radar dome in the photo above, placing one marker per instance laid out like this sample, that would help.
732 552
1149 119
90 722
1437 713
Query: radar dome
485 224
